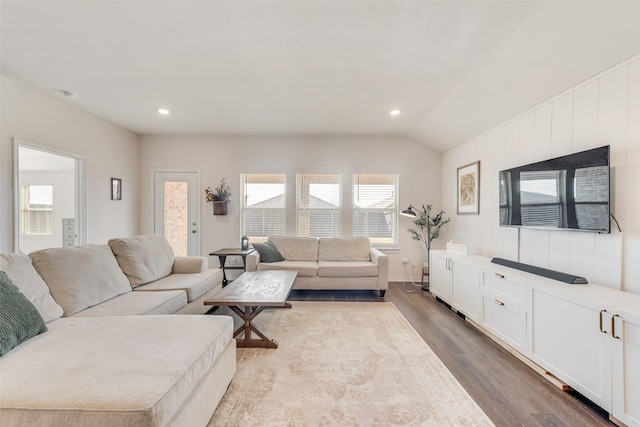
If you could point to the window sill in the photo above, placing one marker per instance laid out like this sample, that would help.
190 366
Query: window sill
388 250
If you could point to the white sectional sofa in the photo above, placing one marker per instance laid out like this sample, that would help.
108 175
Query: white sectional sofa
104 361
328 263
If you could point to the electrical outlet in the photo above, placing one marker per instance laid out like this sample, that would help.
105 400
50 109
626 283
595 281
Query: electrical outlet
405 261
234 261
413 265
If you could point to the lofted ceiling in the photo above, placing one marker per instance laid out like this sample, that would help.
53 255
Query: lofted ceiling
454 68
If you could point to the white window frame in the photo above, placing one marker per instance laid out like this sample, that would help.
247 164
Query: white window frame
247 209
27 211
390 213
303 226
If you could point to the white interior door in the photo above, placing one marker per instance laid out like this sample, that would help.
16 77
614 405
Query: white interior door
176 210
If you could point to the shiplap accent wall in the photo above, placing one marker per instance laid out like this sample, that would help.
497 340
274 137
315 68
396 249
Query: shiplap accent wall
604 110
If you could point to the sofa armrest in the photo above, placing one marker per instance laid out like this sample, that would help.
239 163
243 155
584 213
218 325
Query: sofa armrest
252 260
377 257
189 264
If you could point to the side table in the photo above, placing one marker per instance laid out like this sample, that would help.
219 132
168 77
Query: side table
424 280
222 255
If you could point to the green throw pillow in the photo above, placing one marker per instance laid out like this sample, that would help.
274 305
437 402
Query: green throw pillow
19 319
268 252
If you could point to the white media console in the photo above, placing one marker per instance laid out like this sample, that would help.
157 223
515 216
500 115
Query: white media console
586 335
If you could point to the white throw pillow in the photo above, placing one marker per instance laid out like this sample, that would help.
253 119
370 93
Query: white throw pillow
80 277
143 258
296 248
21 272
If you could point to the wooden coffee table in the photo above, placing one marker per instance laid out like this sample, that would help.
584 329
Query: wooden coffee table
251 293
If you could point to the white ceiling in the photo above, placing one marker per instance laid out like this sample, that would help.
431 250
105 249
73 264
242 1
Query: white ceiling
455 68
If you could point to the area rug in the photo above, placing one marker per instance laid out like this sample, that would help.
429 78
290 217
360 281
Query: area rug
344 364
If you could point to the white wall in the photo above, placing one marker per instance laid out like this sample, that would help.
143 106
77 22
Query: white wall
228 157
110 151
602 111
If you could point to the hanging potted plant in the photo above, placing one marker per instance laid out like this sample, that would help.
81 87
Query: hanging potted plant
219 196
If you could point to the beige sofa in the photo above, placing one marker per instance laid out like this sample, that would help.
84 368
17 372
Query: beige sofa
102 362
328 263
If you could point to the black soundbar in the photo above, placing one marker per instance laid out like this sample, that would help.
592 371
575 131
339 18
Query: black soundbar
551 274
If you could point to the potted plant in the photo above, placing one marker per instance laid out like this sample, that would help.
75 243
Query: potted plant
428 227
219 196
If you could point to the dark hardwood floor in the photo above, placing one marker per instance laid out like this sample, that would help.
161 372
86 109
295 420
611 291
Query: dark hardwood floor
507 390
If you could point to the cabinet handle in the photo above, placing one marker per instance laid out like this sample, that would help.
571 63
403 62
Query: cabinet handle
602 330
499 275
497 301
613 326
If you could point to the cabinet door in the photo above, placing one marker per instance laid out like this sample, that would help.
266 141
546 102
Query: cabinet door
440 277
568 342
505 320
465 283
626 368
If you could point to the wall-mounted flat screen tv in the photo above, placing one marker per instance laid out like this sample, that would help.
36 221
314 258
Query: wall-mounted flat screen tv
566 193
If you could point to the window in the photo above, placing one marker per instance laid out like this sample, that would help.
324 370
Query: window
263 205
36 208
375 208
319 212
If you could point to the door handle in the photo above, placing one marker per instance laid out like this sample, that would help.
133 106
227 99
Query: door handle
497 301
613 326
501 276
602 330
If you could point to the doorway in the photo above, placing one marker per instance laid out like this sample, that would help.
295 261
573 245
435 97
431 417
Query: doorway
176 211
48 198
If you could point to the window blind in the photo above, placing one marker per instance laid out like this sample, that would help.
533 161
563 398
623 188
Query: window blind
37 209
319 211
375 208
263 205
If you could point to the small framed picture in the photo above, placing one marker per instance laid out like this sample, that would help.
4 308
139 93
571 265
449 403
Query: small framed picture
469 189
116 189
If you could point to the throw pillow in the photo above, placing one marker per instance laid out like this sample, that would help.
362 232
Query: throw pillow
19 319
268 252
22 274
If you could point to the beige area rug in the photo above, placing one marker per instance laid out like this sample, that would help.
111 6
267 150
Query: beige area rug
344 364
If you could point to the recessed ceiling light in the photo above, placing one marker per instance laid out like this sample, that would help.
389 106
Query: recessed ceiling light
68 93
395 112
164 111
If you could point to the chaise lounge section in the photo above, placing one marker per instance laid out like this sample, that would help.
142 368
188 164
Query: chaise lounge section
113 355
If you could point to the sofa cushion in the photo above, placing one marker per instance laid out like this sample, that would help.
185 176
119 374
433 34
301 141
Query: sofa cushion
111 371
296 248
143 258
138 303
189 264
21 272
19 319
344 249
195 285
347 269
268 252
304 268
80 277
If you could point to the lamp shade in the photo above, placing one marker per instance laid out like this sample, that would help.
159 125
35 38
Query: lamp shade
408 212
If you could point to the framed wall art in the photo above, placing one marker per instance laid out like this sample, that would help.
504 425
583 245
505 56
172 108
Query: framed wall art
469 189
116 189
